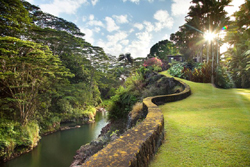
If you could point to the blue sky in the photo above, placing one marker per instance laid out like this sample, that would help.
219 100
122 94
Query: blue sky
121 26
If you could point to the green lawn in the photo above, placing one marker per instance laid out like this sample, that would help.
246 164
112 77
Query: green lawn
209 128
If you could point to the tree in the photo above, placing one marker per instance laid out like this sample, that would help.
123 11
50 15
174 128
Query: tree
27 69
162 49
238 56
14 20
126 58
203 16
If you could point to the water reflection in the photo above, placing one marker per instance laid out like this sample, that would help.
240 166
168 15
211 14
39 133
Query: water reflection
58 149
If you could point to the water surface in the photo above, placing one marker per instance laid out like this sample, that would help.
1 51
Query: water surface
58 149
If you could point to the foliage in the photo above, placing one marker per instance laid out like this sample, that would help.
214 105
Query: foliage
122 103
27 68
136 114
137 107
16 137
176 70
127 59
238 56
210 15
202 73
156 84
162 49
49 123
152 62
48 73
14 19
137 87
203 16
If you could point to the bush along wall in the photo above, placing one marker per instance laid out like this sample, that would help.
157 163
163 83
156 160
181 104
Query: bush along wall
137 146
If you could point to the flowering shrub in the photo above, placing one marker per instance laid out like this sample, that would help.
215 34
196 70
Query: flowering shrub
153 62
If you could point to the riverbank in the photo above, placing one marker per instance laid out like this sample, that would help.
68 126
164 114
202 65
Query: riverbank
16 140
166 85
108 134
58 149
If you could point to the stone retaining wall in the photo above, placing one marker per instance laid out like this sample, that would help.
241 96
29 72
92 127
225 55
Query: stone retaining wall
137 146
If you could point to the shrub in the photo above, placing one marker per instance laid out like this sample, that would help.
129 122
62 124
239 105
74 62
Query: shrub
121 104
50 123
137 108
90 112
15 138
136 115
222 78
204 74
176 70
152 62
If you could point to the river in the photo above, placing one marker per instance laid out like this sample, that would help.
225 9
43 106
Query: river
58 149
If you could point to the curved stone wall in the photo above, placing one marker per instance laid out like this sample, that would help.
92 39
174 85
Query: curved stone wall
137 146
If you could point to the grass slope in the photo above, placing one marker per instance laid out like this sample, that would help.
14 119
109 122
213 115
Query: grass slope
209 128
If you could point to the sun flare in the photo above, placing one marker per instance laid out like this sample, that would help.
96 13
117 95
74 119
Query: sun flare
209 36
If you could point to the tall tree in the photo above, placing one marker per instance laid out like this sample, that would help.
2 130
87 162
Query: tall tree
203 16
26 69
238 56
162 49
14 20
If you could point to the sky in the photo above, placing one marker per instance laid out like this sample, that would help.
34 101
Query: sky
123 26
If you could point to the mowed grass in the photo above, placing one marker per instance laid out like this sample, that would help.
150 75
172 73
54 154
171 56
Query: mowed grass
209 128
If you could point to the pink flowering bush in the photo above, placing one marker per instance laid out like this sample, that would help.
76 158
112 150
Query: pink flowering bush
151 65
153 62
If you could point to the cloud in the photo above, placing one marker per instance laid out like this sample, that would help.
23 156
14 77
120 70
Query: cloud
180 7
119 43
91 17
125 42
93 22
121 19
131 30
140 47
144 36
94 2
164 20
138 1
139 26
88 34
134 1
97 29
117 37
111 25
234 6
62 6
110 47
148 26
84 18
166 36
30 1
115 43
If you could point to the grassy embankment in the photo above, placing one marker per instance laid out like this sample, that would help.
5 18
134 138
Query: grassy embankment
209 128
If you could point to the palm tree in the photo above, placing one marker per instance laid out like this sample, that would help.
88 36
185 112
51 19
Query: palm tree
205 15
126 58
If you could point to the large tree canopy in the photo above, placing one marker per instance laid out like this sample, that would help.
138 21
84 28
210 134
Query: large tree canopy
53 47
14 18
162 49
26 69
203 16
238 56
